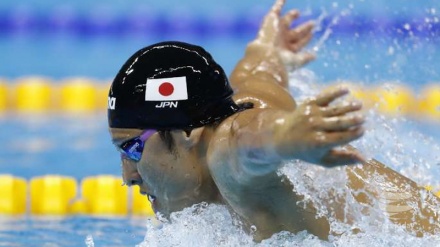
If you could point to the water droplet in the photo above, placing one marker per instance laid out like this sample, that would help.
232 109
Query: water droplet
390 50
89 241
253 228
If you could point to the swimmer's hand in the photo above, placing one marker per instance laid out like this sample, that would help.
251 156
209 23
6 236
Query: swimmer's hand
276 32
316 131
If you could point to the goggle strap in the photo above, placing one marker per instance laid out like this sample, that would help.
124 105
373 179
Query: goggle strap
146 134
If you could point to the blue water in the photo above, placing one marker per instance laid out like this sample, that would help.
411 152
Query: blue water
369 42
360 59
73 146
71 231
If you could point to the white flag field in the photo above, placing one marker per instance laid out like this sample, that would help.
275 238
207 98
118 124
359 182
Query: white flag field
166 89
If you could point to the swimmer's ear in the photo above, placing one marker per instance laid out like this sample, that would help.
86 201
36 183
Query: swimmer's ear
195 136
188 137
188 132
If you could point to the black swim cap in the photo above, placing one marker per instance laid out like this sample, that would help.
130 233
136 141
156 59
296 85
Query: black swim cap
169 85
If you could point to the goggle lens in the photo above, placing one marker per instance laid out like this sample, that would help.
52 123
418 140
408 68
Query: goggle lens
133 148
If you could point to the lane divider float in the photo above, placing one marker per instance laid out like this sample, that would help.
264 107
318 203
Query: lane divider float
394 99
37 95
101 195
13 195
429 103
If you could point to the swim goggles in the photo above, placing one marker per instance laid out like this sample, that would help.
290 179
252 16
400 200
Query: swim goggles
133 148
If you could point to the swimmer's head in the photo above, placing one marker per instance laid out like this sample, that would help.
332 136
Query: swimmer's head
169 85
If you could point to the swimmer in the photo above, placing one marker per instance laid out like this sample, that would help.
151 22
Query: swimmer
188 135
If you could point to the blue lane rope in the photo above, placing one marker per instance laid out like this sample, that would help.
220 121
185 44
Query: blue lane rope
92 24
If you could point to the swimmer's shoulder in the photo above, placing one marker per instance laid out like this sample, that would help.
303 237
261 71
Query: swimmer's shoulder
256 96
228 131
222 141
263 95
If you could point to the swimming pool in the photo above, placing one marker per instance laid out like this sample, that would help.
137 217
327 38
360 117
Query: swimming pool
79 145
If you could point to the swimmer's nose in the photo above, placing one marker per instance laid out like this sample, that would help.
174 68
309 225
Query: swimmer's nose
133 181
130 175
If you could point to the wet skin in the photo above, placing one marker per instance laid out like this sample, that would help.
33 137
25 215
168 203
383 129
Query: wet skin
236 161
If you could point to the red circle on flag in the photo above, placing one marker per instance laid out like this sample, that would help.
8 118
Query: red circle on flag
166 89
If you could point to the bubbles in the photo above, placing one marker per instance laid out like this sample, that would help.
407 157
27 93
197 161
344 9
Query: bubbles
391 50
199 225
213 225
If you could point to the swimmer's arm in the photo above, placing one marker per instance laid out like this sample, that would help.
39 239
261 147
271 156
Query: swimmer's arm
315 132
276 47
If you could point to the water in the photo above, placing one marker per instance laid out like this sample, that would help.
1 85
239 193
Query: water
212 225
366 42
56 144
71 231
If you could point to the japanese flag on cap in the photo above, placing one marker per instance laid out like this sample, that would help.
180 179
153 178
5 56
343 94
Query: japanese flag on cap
166 89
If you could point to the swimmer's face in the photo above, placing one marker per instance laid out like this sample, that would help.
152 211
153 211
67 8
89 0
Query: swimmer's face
174 179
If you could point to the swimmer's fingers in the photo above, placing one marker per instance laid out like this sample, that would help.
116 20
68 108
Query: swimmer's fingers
278 6
295 60
326 98
340 157
338 138
302 31
296 38
341 123
306 57
288 18
298 45
268 33
299 37
337 110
